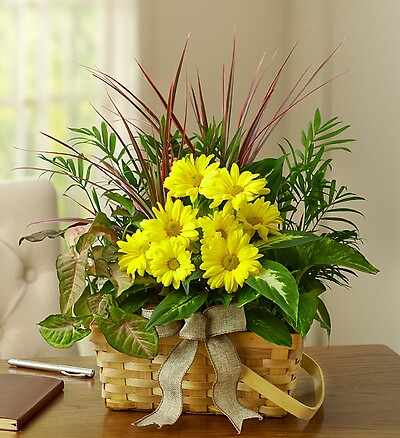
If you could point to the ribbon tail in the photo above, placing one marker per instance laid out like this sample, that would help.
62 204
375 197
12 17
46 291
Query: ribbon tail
228 367
170 380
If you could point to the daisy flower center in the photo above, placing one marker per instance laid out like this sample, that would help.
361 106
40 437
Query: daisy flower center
223 233
143 248
196 179
235 190
173 228
173 264
254 220
230 262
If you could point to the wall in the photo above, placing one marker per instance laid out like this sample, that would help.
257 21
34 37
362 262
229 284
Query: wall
212 25
366 97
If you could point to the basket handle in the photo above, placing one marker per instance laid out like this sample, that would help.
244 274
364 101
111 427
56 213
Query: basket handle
285 401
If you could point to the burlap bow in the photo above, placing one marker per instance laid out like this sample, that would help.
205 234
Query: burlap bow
211 327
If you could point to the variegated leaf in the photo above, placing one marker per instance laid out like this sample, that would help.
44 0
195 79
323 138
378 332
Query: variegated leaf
276 283
71 269
126 333
63 331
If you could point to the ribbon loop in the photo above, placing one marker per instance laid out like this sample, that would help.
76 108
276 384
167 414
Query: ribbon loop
194 328
211 327
222 320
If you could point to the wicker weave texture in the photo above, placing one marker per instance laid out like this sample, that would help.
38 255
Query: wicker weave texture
131 383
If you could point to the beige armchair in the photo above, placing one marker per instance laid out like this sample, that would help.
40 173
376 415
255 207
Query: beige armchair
28 280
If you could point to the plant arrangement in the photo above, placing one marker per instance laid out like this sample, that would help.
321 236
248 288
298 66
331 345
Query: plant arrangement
179 223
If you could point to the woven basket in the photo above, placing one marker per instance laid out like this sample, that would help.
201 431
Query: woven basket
131 383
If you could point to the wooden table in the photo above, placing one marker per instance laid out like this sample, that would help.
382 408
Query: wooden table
362 400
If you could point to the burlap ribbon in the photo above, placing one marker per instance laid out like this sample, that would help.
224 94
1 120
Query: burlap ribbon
211 327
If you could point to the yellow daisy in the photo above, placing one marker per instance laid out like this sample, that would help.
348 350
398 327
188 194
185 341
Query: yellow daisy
259 216
218 224
228 263
188 176
174 221
234 187
170 262
135 249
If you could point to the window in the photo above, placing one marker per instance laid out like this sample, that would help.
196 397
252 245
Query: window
44 84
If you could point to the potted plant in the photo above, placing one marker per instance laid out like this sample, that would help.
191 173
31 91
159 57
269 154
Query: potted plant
179 224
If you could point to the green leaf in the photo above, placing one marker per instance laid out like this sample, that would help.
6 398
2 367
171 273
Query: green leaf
264 324
127 333
63 331
323 316
104 133
177 305
120 279
271 169
287 239
112 143
99 304
317 120
81 307
40 235
326 251
84 241
222 297
135 301
309 284
276 283
332 134
71 270
103 227
308 304
193 276
125 202
246 294
141 283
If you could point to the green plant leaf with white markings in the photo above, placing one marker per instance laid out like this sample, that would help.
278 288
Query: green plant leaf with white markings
246 295
63 331
120 279
326 251
99 304
286 240
127 333
71 271
276 283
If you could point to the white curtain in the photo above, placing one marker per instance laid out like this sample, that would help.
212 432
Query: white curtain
44 85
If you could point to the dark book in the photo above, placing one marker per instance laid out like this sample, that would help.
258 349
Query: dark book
22 396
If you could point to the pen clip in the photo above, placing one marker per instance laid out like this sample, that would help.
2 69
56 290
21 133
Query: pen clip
72 374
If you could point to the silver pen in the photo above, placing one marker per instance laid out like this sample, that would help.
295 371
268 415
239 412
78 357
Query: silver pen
66 370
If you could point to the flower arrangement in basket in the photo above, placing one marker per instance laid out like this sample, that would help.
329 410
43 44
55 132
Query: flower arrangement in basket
191 238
